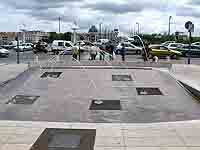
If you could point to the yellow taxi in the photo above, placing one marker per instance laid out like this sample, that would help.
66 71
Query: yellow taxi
162 51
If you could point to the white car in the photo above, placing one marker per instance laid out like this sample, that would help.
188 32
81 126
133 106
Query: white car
24 47
167 43
130 49
4 52
174 46
62 46
85 46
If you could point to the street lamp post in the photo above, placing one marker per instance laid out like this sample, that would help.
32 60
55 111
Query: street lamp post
100 30
169 30
138 27
17 49
59 24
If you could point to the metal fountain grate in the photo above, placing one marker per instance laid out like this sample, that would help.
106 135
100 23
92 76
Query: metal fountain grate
51 74
65 139
122 78
105 105
23 99
149 91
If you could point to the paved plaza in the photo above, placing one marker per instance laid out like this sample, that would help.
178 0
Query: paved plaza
16 135
69 97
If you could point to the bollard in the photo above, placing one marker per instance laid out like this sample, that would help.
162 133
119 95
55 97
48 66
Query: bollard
168 58
37 59
155 59
57 58
29 65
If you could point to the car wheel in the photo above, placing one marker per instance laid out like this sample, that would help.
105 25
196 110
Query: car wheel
138 52
117 52
175 56
187 54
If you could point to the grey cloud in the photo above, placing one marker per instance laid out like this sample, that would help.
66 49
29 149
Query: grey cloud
194 2
122 8
188 11
114 7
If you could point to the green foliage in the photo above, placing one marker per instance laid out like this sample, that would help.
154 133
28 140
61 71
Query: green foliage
60 36
158 39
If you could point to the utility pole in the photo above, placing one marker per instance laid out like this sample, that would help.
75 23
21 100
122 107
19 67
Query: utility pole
59 23
169 30
100 30
138 27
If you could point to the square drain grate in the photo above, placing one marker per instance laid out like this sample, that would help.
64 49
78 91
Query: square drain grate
105 105
23 99
122 78
51 74
149 91
64 139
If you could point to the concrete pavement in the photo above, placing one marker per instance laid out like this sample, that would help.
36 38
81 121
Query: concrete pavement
16 135
10 72
68 98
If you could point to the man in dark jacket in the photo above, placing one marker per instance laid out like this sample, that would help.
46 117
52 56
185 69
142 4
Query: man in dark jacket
110 49
123 52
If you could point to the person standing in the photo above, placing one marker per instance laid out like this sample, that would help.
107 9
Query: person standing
123 52
110 49
93 52
102 51
75 52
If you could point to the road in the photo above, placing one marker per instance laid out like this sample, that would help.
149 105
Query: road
26 57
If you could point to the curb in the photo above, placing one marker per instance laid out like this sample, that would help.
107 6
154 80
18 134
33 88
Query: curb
14 78
191 90
194 92
97 67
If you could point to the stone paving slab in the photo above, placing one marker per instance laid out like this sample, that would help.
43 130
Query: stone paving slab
68 98
11 71
108 136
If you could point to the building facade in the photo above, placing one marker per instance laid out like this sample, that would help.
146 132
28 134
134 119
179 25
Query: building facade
26 36
35 36
94 36
7 37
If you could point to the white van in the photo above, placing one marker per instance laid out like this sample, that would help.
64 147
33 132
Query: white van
62 46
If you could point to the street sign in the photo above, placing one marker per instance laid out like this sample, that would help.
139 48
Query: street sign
188 24
191 27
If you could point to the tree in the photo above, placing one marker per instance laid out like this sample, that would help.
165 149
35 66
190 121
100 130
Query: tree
67 36
93 29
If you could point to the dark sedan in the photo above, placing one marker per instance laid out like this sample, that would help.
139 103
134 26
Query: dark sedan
195 50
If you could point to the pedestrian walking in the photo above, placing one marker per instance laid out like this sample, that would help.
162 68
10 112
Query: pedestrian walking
102 51
110 48
93 52
75 52
123 51
145 52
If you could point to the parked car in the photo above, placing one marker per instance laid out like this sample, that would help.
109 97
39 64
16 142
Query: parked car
4 52
24 47
130 49
195 50
196 44
11 45
85 45
62 46
174 46
163 51
167 43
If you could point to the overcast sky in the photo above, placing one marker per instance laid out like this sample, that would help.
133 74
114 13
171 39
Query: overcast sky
123 14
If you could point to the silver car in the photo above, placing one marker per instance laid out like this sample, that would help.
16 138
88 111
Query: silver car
4 52
130 49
